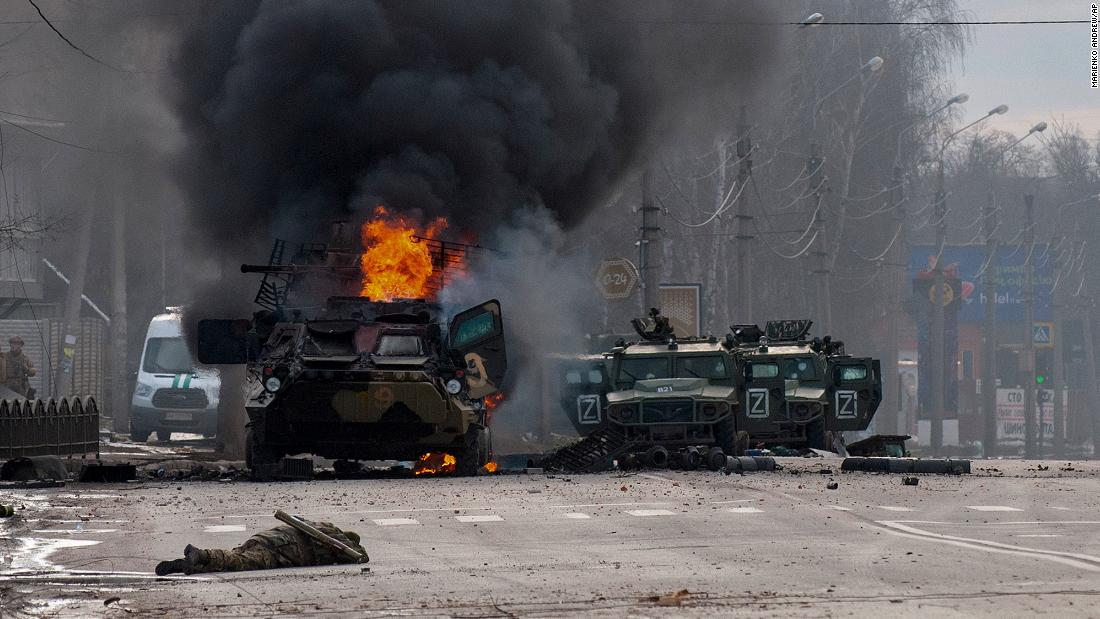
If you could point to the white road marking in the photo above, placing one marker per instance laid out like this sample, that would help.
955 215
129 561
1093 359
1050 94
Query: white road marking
224 528
485 518
993 508
1061 509
577 516
841 509
895 508
643 513
900 528
745 510
74 531
728 502
361 511
1037 535
395 522
605 505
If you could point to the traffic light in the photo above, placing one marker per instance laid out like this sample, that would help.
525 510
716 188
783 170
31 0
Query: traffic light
1044 366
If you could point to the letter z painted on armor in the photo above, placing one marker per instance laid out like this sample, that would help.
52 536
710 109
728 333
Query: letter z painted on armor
846 405
756 403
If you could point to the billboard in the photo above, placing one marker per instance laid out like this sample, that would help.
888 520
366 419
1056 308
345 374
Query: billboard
1009 274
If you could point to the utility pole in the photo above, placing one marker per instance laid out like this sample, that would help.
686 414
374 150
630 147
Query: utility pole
1029 322
936 332
1058 371
989 333
63 381
821 254
649 236
120 410
893 422
744 235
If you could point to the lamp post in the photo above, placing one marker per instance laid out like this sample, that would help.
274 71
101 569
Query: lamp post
815 164
937 366
895 423
989 327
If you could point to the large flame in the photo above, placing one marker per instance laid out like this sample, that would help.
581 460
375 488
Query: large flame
394 263
435 463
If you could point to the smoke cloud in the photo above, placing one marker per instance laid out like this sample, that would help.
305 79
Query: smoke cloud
511 119
299 112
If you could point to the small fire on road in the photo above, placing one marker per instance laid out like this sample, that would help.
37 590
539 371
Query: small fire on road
435 463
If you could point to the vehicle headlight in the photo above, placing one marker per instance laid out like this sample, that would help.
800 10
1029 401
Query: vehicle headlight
454 386
143 391
272 384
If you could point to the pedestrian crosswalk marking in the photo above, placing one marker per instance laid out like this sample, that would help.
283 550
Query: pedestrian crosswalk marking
993 508
841 509
642 513
224 528
480 518
395 522
746 510
577 516
895 508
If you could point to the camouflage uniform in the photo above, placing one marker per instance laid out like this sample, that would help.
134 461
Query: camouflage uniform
17 372
283 546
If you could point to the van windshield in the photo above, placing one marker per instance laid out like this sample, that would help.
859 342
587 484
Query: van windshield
167 355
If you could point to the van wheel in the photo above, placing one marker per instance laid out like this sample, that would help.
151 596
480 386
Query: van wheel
139 435
164 436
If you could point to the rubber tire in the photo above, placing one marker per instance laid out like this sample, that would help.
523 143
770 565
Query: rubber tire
716 459
476 453
691 459
740 443
724 435
657 457
139 435
260 459
164 436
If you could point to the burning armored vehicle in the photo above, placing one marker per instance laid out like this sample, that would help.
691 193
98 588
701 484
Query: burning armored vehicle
359 378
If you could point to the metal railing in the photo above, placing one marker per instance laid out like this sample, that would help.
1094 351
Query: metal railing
64 427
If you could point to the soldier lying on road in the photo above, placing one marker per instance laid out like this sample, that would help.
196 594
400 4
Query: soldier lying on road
283 546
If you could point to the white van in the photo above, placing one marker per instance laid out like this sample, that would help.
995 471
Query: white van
171 394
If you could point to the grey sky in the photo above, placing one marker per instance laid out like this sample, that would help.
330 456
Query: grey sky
1040 71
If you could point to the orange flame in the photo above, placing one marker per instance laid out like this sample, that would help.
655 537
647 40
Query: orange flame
493 400
394 264
490 467
435 463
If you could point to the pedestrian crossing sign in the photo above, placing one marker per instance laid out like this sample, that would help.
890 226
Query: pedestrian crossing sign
1042 334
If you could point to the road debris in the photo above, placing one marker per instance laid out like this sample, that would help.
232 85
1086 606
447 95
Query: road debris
832 485
910 481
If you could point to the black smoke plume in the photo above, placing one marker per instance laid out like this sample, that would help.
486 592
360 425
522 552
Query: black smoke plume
299 112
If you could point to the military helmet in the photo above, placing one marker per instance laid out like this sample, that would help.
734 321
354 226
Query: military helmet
15 339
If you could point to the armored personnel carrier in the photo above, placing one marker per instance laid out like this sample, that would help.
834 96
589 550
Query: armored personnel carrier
798 391
693 401
359 379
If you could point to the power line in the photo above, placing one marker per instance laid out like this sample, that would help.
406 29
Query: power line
55 140
66 39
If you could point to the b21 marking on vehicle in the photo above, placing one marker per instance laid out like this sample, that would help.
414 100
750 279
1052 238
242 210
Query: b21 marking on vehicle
664 389
588 409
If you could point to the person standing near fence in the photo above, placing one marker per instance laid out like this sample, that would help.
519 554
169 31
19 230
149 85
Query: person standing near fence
18 368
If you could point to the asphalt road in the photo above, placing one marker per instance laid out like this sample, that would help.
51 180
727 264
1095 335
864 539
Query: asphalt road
1009 540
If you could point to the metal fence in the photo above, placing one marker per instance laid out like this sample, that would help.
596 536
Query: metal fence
63 427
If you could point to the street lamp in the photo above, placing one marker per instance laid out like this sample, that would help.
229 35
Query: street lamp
812 20
939 371
814 165
989 328
960 98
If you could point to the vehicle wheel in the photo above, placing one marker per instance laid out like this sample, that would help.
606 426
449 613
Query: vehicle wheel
139 435
716 459
656 457
261 459
691 459
164 436
476 453
815 435
724 436
740 443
